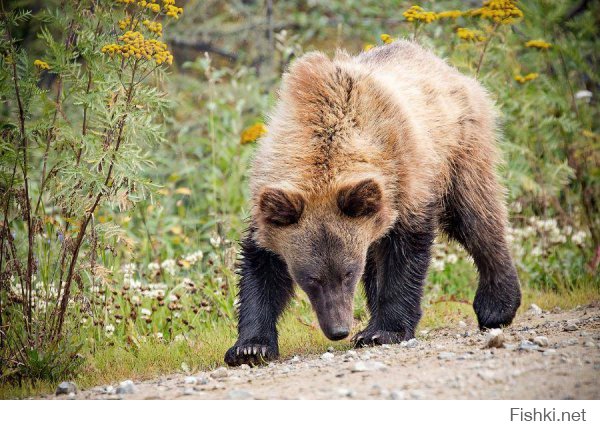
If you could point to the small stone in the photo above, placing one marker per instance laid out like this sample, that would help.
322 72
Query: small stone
589 344
239 395
403 344
245 367
66 387
345 392
328 356
109 389
126 387
571 326
424 332
203 380
494 338
295 359
528 346
535 309
541 341
397 395
446 355
412 343
549 352
330 349
190 380
367 366
462 324
351 353
220 373
188 391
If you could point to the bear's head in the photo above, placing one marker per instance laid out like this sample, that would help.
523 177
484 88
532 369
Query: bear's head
324 238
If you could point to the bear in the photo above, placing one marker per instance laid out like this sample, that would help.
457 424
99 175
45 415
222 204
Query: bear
365 160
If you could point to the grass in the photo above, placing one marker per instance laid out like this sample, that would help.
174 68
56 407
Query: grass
299 334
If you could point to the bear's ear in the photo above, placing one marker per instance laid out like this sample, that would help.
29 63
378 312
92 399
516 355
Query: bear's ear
361 199
279 207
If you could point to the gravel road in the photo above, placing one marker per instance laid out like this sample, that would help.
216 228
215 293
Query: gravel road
543 355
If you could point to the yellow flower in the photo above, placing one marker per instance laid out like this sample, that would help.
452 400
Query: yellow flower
42 65
416 13
529 77
499 11
153 27
469 35
252 133
452 14
538 44
386 38
135 45
368 47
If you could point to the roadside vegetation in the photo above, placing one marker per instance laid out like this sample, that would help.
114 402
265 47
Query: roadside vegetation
126 131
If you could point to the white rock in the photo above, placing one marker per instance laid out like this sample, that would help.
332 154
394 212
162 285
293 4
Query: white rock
328 356
220 373
412 343
446 355
462 324
541 341
571 326
535 309
494 338
368 366
549 352
66 387
190 380
126 387
345 392
397 395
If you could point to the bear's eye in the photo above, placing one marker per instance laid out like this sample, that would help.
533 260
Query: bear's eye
349 274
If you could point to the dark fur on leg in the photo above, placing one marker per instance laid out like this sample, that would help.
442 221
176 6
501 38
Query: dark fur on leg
394 276
265 289
480 230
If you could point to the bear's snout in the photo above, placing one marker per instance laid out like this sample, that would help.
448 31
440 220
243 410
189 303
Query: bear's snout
338 333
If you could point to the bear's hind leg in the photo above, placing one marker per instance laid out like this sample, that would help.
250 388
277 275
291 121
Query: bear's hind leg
265 289
394 276
476 217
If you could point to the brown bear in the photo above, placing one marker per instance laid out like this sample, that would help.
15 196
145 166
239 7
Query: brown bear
365 159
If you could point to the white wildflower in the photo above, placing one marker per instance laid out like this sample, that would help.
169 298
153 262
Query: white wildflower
536 251
579 237
583 95
169 266
452 258
194 257
136 299
146 312
154 266
109 329
437 264
215 241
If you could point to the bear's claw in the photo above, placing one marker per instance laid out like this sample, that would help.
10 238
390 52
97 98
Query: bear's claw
251 354
369 337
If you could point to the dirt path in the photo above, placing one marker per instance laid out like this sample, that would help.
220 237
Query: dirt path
451 363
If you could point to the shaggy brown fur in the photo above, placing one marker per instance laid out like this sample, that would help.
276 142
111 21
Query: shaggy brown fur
365 158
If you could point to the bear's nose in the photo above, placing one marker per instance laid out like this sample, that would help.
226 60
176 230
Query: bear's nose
338 333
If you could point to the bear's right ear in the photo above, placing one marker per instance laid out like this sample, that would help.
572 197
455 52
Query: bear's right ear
279 207
361 199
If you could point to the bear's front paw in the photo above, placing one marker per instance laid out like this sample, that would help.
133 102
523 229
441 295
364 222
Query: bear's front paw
252 354
370 337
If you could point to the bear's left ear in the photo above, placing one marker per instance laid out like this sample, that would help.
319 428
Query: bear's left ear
361 199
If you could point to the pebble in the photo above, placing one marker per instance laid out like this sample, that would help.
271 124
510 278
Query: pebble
462 324
589 344
412 343
446 355
367 366
190 380
188 391
494 338
109 389
239 395
330 349
397 395
220 373
571 326
541 341
345 392
328 356
126 387
528 346
535 309
245 367
295 359
66 387
549 352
